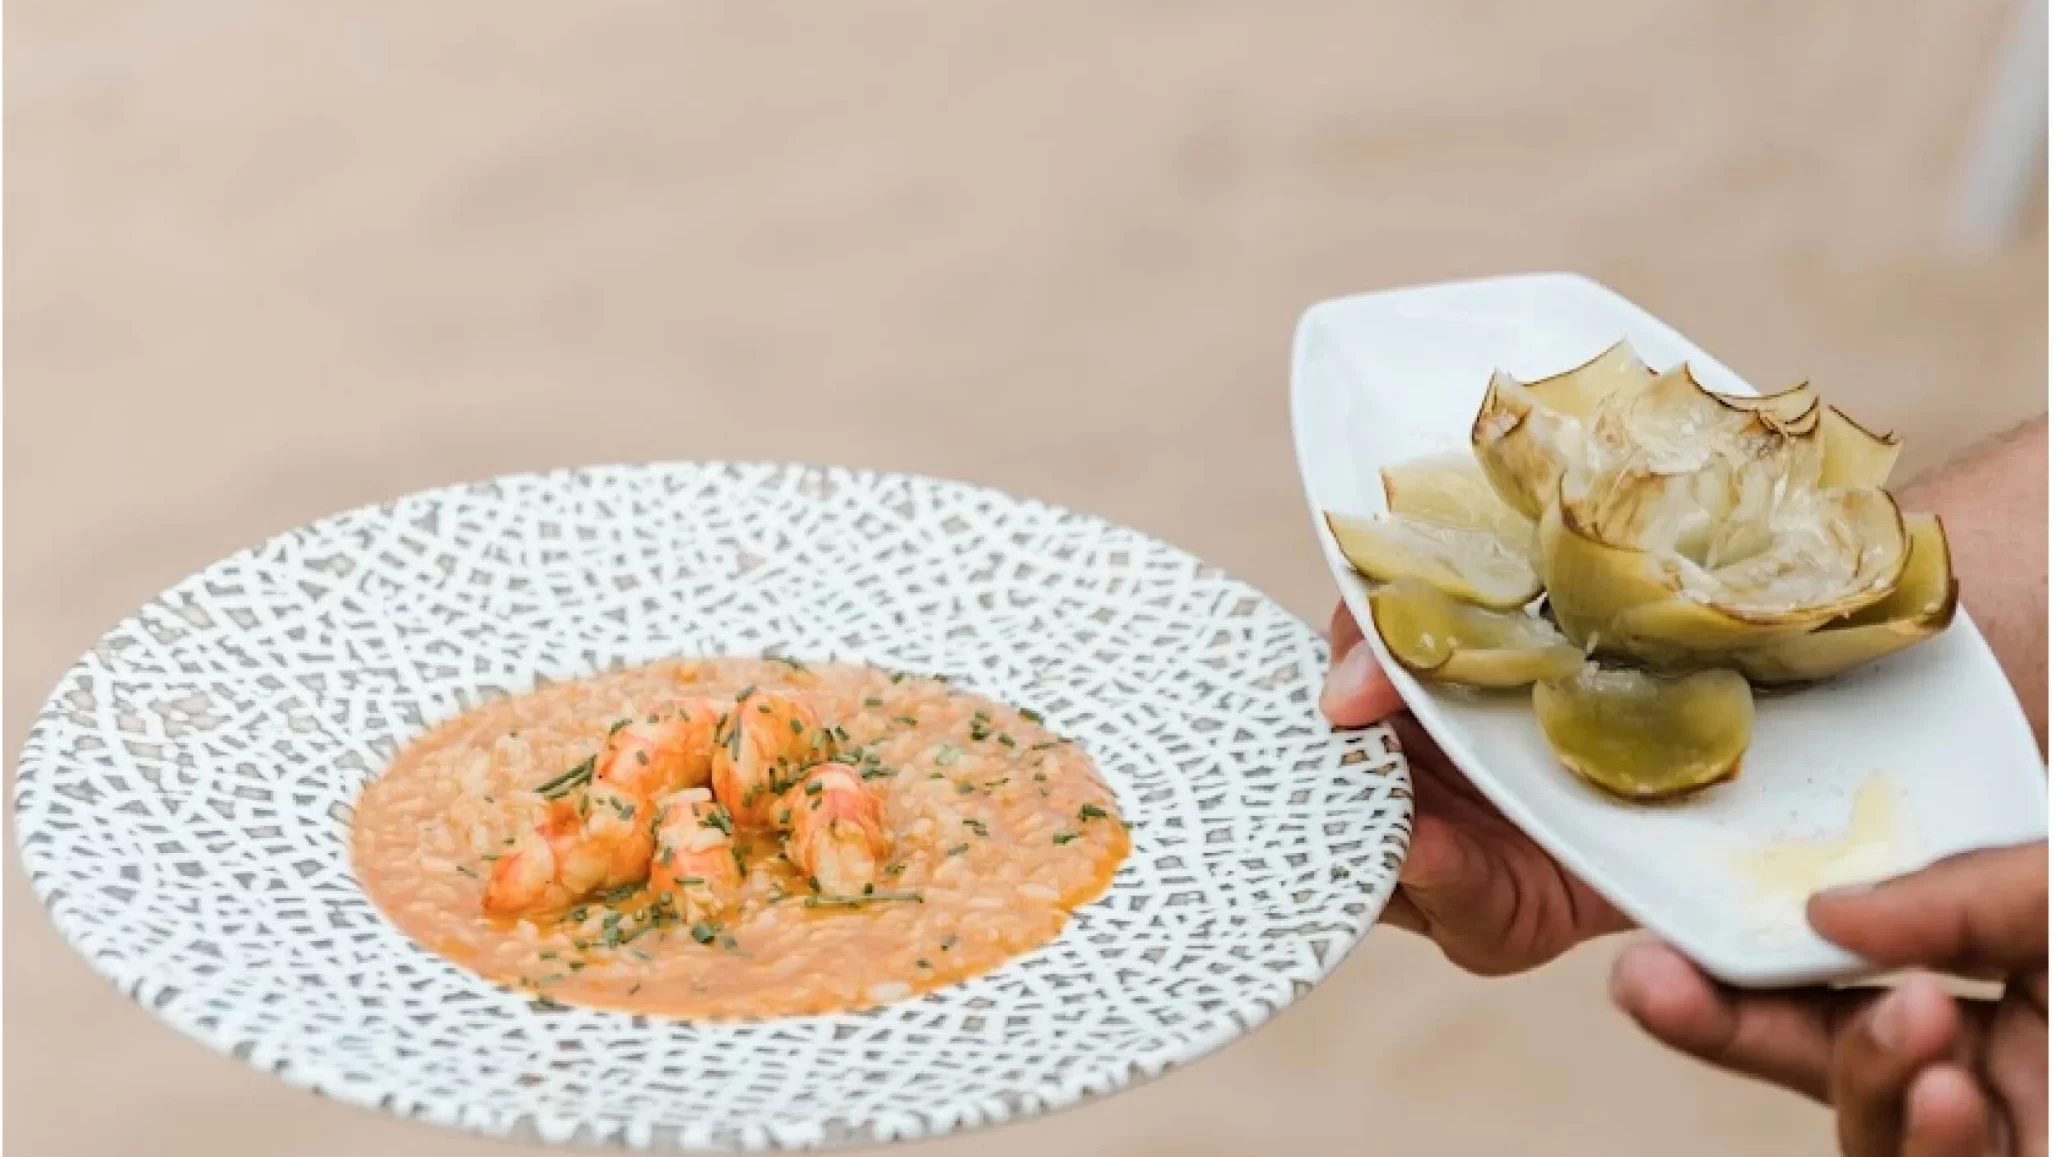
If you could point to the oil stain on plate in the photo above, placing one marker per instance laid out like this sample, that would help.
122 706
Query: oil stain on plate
1876 843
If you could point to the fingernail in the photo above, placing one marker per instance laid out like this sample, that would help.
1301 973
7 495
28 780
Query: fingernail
1348 676
1887 1023
1845 891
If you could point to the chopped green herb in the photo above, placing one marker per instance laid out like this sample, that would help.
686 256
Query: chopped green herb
922 962
909 720
1031 716
704 932
949 942
745 692
618 725
978 827
946 755
1064 837
466 869
874 701
1091 811
965 789
855 901
562 785
717 817
958 850
1047 744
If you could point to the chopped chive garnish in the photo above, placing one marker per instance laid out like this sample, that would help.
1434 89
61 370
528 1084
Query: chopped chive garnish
855 901
1064 837
1092 811
745 692
946 755
563 784
959 850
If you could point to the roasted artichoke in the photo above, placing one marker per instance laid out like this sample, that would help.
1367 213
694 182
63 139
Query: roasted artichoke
1689 544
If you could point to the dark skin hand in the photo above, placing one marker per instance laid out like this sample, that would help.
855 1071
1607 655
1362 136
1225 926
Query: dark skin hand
1910 1071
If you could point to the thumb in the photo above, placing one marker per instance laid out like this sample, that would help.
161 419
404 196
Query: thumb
1357 692
1979 913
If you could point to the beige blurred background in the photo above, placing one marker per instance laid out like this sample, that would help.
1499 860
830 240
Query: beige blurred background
271 260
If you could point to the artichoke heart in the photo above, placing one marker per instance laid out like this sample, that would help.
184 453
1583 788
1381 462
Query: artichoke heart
1922 604
1445 641
1698 529
1452 489
1469 565
1643 736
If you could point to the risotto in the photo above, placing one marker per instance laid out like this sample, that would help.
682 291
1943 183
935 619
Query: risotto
898 835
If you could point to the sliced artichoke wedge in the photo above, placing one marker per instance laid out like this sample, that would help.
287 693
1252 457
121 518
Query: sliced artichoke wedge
1452 489
1445 641
1922 604
1643 736
1472 566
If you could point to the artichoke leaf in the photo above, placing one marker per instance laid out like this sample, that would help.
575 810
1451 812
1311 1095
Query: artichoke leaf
1445 641
1472 566
1922 604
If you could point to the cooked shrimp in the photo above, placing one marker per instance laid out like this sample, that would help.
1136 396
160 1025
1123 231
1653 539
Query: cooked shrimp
696 862
670 749
836 829
593 839
597 835
768 740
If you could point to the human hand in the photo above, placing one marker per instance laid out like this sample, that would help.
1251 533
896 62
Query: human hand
1493 901
1910 1072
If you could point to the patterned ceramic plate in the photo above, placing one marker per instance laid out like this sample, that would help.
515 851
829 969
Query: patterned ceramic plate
184 800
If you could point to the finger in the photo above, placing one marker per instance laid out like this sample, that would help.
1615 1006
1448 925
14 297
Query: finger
1787 1039
1400 912
1946 1115
1877 1056
2015 1063
1457 888
1343 631
1357 693
1978 912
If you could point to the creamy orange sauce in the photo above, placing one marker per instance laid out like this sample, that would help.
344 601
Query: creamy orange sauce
998 829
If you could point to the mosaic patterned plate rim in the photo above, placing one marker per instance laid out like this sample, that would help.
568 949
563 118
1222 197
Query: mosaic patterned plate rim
215 889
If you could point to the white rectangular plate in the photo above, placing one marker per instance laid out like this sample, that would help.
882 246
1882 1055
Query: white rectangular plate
1931 741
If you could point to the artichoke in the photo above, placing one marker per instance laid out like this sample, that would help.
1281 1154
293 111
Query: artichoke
1690 543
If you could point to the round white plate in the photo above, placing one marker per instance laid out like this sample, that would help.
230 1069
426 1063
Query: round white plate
184 799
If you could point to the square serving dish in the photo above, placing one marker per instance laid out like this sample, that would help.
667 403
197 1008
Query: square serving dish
1890 767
